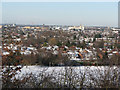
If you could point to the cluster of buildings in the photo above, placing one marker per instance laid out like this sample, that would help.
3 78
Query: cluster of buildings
110 36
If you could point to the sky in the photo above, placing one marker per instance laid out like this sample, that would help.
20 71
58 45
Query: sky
60 0
61 13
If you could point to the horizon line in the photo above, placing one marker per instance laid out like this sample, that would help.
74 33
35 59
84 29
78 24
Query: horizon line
59 25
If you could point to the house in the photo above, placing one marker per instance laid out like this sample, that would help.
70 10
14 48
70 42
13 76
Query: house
0 26
6 53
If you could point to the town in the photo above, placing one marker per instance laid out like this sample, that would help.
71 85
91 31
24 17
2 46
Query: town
57 45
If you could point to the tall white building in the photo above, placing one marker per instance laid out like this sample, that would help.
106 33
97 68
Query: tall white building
76 27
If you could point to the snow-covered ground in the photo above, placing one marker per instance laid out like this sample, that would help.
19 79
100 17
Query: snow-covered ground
59 74
95 70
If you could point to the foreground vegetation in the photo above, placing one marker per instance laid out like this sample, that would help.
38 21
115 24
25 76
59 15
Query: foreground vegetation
68 77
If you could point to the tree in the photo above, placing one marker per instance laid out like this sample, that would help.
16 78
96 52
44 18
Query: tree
52 41
98 36
99 44
74 37
12 59
59 44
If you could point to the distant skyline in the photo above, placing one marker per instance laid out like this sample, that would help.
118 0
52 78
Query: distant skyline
61 13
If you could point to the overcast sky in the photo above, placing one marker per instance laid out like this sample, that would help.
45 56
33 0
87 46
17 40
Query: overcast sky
61 13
